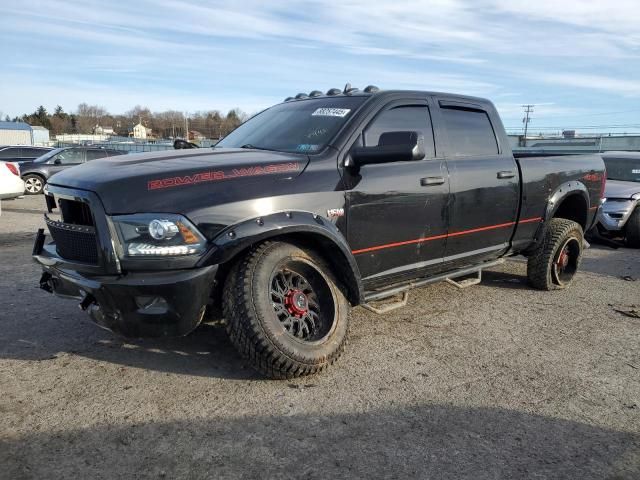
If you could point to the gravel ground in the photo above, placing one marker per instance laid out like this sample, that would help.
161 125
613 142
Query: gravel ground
495 381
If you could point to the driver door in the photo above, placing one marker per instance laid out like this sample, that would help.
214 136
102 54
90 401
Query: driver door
396 223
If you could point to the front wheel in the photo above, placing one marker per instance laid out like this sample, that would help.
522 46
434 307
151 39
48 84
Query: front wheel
555 262
285 313
33 184
632 229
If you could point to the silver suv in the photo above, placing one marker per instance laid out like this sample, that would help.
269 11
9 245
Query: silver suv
620 212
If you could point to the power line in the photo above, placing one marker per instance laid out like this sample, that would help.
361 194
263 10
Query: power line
528 110
558 127
591 114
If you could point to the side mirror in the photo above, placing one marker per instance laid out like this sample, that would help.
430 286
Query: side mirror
392 147
57 161
180 144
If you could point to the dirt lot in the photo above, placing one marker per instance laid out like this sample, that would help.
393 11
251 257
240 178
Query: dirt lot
495 381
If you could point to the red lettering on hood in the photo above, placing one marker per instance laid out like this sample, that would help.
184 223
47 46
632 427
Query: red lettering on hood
216 175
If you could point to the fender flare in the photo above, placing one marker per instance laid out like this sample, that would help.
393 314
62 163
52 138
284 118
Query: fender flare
240 236
554 201
561 193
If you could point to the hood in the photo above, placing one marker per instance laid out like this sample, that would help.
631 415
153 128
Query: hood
176 181
620 189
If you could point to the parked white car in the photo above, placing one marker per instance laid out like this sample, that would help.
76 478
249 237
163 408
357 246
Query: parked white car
11 185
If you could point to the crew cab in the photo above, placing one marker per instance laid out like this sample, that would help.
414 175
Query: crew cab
313 206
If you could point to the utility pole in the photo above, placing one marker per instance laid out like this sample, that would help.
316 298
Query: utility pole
186 126
528 109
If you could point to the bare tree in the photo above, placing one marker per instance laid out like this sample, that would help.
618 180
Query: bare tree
88 116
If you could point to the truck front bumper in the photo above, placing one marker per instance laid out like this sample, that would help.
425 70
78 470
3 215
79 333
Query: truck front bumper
141 304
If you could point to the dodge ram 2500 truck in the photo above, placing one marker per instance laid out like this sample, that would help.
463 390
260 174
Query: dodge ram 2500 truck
317 204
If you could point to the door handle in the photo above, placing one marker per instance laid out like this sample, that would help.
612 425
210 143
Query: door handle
506 174
428 181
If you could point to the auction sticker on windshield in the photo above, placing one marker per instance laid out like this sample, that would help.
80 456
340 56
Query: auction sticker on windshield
331 112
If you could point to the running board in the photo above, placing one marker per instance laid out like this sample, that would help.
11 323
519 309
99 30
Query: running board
403 288
389 306
467 282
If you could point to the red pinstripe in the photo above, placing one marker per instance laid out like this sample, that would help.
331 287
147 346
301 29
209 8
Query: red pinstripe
444 235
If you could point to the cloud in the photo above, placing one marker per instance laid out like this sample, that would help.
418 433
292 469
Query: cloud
175 52
620 86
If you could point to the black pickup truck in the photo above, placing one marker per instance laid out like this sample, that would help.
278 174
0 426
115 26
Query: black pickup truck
322 202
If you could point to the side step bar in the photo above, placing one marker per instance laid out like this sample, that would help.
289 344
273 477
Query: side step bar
405 287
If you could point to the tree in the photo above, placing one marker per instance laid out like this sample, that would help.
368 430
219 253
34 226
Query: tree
88 116
60 122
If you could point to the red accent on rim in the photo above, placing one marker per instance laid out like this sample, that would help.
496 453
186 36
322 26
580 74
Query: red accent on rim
563 258
295 301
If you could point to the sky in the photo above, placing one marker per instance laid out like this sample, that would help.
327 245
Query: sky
578 61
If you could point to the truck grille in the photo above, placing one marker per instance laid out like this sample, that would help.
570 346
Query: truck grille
74 242
75 213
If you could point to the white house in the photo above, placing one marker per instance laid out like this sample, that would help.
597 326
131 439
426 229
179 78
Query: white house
100 130
140 131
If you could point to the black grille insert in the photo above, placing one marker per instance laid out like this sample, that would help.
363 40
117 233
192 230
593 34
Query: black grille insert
75 213
74 242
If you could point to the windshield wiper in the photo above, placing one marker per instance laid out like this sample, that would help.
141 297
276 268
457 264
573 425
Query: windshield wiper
253 147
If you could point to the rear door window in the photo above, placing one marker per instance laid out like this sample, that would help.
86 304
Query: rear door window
11 152
33 152
96 153
470 132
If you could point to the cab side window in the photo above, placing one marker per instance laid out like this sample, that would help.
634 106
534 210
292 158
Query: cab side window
395 127
69 157
470 132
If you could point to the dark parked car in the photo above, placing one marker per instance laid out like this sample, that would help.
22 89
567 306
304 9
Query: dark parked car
313 205
21 153
620 213
36 173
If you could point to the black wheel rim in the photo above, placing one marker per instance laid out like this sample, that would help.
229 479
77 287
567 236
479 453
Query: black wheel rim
565 262
302 301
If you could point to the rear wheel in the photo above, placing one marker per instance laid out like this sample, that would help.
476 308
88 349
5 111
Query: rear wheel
554 264
285 313
33 184
632 229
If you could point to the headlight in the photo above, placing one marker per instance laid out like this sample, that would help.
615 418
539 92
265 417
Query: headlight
158 234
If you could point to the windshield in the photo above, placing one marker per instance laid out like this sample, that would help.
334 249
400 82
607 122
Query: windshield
48 155
625 169
305 126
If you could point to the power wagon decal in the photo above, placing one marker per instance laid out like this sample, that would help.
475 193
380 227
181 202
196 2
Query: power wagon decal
217 175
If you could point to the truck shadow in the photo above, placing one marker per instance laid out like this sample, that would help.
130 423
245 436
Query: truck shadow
508 280
37 326
428 441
